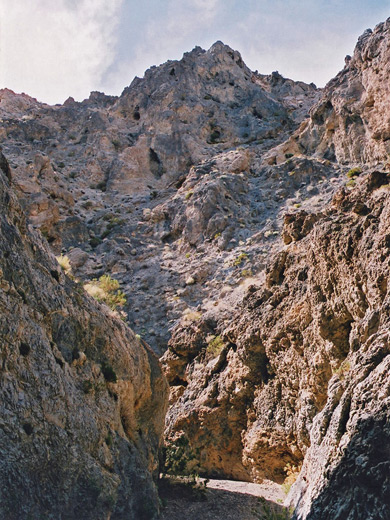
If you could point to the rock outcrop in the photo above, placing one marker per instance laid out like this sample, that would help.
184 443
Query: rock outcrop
244 241
349 124
150 186
301 372
82 400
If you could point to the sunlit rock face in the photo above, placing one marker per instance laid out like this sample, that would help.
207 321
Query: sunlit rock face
245 217
109 181
350 124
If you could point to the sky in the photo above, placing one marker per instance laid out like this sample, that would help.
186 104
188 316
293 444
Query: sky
55 49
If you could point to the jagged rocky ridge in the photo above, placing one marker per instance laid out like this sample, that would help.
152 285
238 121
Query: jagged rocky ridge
267 365
82 400
100 178
350 124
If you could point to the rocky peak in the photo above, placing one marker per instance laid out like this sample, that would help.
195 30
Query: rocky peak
349 124
220 202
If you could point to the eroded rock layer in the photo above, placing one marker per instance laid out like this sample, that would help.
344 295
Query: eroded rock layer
82 400
153 186
301 372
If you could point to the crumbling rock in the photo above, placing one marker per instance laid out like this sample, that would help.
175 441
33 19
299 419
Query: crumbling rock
350 122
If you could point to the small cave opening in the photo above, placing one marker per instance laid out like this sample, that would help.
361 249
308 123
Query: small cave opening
136 114
24 349
155 164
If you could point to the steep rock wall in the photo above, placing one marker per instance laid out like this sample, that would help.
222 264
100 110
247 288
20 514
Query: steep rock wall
82 401
301 370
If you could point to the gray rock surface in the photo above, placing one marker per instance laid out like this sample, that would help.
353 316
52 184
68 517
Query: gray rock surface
82 399
350 123
114 178
224 206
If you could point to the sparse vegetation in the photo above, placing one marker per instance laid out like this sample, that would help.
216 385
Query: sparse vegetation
106 290
343 369
215 346
180 460
95 241
108 439
188 195
102 186
64 262
354 172
292 473
190 316
273 511
241 258
116 144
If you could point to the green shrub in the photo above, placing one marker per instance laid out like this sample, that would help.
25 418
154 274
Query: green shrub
241 257
95 241
102 186
64 262
179 459
292 473
106 290
354 172
215 346
343 369
274 511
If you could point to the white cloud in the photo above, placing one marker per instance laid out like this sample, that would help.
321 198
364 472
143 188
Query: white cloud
52 50
166 37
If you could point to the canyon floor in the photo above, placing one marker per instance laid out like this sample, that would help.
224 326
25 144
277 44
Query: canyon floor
223 500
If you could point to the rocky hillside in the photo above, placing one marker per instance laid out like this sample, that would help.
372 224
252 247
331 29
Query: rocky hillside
110 182
298 373
245 218
82 400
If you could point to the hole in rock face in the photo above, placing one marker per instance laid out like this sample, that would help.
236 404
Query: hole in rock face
155 163
136 114
27 427
55 275
24 349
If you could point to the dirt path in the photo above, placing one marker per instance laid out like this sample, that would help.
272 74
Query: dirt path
223 500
